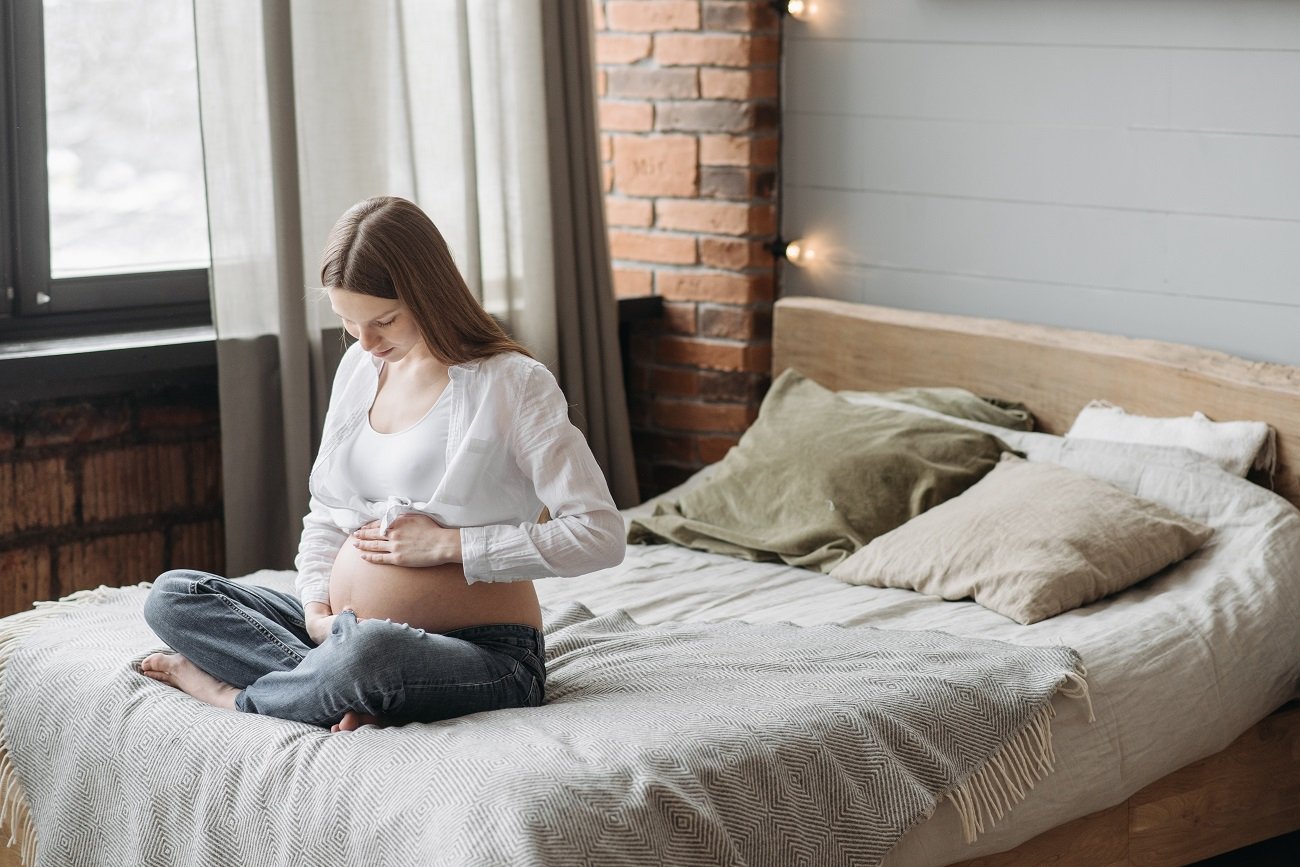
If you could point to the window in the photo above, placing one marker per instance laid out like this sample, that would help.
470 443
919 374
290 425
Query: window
103 219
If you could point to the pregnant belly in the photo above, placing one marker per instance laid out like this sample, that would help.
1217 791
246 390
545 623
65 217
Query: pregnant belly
434 598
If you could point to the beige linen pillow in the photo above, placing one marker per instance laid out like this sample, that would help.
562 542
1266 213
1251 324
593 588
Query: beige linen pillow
1029 541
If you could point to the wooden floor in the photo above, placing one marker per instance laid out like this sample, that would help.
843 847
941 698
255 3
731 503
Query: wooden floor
1279 852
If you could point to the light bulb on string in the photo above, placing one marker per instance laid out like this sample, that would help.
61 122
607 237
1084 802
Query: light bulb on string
800 252
801 10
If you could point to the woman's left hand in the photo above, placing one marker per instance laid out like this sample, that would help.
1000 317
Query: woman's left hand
412 540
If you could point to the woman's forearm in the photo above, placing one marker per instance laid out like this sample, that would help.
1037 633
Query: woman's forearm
317 609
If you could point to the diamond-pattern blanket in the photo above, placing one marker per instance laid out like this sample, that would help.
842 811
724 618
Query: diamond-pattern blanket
721 743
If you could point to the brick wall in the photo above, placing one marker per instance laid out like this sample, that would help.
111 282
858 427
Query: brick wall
689 119
108 490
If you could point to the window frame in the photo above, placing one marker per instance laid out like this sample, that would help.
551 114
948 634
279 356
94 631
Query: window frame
32 304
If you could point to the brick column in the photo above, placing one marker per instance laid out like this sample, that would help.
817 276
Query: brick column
689 132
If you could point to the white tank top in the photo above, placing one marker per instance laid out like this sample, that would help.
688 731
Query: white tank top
409 463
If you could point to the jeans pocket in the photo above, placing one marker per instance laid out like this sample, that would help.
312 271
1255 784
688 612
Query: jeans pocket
532 676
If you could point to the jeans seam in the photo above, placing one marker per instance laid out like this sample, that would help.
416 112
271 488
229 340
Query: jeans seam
459 685
236 609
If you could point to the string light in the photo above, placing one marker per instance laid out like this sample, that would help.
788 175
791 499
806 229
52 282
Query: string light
797 252
801 10
800 252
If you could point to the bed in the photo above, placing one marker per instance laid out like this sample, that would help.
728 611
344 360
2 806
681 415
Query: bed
1206 772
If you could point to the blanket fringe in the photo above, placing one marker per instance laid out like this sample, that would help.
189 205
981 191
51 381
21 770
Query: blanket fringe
14 813
1006 778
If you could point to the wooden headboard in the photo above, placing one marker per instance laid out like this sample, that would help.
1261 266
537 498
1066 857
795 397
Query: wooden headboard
1053 371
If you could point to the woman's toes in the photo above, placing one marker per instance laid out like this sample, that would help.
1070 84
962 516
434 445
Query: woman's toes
156 665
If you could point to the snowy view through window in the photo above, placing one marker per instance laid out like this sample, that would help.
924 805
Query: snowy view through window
125 157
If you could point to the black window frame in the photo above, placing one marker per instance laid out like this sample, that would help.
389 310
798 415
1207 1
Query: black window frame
32 304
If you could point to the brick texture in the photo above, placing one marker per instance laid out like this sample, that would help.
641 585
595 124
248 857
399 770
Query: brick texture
205 473
626 116
700 416
716 49
112 560
648 247
638 83
735 386
26 578
714 354
715 286
726 182
76 422
735 323
134 481
628 212
714 448
733 150
718 218
736 254
618 48
715 115
108 490
651 15
677 449
200 545
679 318
747 16
676 381
35 494
690 116
661 165
739 83
632 282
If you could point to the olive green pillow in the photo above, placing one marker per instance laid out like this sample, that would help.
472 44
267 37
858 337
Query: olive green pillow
1029 541
816 477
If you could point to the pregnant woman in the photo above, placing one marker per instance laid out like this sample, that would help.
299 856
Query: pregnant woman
444 449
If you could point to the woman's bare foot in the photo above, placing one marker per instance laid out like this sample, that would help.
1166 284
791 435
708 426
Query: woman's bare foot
352 721
175 670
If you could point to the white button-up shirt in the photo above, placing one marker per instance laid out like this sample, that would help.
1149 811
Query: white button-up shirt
510 450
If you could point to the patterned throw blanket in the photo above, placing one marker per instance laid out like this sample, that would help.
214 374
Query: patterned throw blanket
682 743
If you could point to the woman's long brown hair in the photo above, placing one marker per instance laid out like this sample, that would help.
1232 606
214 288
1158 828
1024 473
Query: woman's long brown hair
387 247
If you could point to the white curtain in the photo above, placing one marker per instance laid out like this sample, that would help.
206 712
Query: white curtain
309 106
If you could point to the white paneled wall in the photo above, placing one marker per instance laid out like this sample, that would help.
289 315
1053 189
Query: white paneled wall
1130 166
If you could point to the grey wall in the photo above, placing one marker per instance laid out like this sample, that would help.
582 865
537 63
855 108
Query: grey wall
1130 166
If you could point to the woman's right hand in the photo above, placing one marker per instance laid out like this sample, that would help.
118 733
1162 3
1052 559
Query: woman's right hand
319 620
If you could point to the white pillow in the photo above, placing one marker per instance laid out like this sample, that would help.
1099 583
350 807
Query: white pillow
1237 446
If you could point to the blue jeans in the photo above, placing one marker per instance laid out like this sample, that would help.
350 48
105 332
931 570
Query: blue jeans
254 638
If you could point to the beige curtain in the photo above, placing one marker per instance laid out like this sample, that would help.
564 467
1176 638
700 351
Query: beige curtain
590 368
480 111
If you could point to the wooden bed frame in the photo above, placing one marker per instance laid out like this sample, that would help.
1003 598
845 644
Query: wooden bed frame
1249 791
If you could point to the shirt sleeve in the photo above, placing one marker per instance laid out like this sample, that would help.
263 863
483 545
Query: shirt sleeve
317 549
321 538
586 531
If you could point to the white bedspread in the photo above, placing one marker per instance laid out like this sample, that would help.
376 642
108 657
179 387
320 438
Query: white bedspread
1178 666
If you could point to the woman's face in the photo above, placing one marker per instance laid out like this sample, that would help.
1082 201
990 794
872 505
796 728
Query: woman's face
383 326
